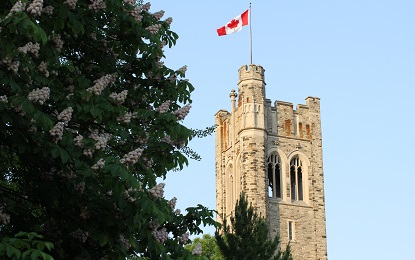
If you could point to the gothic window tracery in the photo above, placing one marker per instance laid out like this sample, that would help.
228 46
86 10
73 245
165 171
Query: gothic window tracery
274 176
296 179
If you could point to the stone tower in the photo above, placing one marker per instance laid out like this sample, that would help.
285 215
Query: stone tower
274 154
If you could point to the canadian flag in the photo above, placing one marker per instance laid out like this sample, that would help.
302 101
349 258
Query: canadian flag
235 25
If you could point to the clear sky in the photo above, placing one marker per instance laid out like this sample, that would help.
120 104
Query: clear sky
358 56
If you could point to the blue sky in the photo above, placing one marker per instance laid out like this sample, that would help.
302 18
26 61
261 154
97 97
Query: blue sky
358 56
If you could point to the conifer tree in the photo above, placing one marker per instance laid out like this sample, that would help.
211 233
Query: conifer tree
247 236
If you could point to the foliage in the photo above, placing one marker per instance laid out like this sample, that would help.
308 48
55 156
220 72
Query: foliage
90 117
20 247
247 236
210 249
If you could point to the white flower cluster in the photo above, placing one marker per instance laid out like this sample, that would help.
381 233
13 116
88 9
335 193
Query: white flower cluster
57 131
80 235
148 162
135 13
6 60
158 15
157 191
11 65
197 250
168 140
3 99
43 68
129 2
4 218
128 196
182 112
184 238
39 95
160 235
119 97
168 20
58 42
172 203
102 140
35 7
154 224
14 66
125 242
84 213
163 108
66 115
88 152
132 157
71 4
31 48
160 64
78 140
80 187
98 165
146 7
140 140
97 5
177 212
48 10
102 83
163 44
67 174
183 69
125 118
19 6
153 29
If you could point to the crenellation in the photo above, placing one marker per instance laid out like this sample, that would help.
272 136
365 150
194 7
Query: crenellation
245 140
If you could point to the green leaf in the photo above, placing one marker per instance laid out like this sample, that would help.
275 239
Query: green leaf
39 34
58 25
95 111
12 251
34 254
64 155
40 246
31 235
27 107
49 245
55 152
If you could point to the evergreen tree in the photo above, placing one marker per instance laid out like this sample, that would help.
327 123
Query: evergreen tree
210 249
90 118
247 236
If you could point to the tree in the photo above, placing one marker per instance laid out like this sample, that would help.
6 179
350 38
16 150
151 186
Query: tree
90 117
210 249
247 236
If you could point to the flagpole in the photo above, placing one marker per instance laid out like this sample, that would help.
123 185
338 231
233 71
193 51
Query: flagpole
250 29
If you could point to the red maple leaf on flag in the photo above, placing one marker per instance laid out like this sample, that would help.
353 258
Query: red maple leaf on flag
232 24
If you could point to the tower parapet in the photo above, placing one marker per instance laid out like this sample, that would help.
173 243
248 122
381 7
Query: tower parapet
251 71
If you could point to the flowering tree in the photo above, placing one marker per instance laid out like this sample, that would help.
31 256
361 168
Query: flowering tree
90 118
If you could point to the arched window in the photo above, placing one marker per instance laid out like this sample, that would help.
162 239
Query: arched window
229 190
296 179
274 176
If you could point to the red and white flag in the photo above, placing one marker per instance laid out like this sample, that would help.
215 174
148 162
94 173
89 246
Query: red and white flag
235 25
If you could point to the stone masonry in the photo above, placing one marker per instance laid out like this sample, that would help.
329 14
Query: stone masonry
288 190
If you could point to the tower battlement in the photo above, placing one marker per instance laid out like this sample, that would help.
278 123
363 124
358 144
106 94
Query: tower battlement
248 72
290 122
